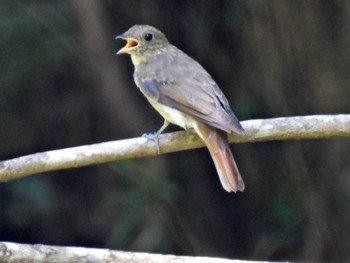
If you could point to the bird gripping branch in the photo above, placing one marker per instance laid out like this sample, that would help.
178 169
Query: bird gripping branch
182 91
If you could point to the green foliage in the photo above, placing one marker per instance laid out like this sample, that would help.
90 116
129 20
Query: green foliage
144 197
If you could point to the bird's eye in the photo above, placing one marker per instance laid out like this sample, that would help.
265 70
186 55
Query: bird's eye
148 37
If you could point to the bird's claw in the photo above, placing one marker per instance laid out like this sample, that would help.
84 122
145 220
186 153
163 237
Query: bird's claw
154 137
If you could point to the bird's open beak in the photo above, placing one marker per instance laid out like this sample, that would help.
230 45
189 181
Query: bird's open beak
130 45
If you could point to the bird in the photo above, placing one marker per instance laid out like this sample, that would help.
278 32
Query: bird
184 94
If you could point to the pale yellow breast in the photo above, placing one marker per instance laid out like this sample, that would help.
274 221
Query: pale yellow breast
174 116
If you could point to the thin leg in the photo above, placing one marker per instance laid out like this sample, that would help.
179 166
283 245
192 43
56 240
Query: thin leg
164 126
154 136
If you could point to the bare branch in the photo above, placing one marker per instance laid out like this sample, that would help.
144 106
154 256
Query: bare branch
14 252
305 127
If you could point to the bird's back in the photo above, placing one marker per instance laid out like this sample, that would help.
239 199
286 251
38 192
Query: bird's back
174 79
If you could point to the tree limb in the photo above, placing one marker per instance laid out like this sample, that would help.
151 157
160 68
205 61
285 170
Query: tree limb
14 252
305 127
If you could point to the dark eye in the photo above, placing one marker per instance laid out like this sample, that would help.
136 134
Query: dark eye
148 37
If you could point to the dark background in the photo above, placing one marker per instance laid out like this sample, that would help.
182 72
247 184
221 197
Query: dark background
61 85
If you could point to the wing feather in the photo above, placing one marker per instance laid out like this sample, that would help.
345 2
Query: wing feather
183 84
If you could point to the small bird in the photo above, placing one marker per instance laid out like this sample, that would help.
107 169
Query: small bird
182 91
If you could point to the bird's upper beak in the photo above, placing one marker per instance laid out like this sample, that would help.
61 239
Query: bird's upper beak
131 44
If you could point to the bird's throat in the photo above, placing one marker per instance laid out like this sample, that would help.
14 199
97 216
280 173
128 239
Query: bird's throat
137 59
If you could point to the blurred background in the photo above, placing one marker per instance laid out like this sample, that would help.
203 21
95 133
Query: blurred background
61 85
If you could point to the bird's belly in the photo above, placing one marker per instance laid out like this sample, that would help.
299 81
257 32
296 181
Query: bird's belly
174 116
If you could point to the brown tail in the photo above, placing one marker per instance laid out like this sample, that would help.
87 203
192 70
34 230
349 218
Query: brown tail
217 143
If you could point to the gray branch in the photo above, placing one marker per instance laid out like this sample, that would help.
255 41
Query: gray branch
14 252
305 127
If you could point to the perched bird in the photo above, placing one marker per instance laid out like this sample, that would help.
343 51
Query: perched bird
182 91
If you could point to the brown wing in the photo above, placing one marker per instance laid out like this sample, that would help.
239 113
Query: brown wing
176 80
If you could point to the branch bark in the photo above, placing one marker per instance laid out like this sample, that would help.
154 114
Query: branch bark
14 252
305 127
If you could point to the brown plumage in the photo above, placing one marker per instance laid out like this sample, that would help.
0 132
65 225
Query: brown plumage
182 91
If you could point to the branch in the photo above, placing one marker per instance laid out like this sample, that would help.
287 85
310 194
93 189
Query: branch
306 127
14 252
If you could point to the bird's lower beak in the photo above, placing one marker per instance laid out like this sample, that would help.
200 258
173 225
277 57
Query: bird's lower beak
130 45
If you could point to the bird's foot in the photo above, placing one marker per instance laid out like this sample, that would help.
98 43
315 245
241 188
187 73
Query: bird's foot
154 137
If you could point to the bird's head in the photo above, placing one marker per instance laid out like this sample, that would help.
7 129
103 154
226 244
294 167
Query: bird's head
142 40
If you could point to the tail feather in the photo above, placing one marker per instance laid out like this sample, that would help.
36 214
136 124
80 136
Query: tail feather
219 148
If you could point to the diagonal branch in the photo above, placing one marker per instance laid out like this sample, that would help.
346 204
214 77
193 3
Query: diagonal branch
14 252
305 127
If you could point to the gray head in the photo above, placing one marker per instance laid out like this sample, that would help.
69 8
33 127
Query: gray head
142 39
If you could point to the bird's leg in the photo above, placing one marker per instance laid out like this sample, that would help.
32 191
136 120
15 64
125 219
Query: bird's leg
154 135
164 126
